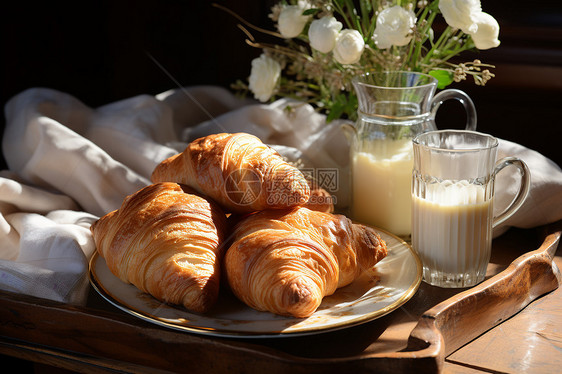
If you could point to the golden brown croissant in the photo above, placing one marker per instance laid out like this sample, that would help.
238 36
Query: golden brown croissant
320 200
238 171
165 240
286 261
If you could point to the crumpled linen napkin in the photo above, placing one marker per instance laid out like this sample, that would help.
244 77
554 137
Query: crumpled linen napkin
69 164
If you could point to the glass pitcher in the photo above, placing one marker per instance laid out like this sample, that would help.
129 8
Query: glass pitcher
393 107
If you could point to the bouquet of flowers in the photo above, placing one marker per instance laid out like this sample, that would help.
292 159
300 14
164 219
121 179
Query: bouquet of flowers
325 43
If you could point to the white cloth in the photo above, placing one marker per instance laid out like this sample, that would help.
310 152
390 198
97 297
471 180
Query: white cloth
70 164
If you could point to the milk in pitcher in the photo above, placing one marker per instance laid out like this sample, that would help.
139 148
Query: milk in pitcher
382 181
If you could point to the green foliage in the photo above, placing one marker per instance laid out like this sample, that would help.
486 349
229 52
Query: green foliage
444 78
317 78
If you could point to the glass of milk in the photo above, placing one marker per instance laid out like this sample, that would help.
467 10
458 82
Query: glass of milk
393 107
452 204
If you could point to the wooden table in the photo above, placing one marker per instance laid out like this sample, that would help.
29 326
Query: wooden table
438 330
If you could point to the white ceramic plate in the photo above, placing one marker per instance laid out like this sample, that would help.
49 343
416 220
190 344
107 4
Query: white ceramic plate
386 287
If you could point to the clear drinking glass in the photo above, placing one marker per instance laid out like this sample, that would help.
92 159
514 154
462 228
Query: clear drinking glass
393 107
452 204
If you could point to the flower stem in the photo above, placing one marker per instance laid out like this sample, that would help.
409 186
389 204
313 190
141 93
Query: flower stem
445 35
343 14
268 32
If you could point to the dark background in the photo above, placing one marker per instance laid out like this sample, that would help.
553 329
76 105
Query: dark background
99 52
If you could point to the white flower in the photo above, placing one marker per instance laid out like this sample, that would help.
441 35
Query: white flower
291 21
461 14
394 27
486 36
349 47
323 33
263 77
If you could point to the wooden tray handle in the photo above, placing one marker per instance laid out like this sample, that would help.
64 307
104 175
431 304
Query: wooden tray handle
455 322
439 332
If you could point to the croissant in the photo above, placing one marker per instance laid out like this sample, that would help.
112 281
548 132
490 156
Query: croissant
286 261
320 200
165 240
238 171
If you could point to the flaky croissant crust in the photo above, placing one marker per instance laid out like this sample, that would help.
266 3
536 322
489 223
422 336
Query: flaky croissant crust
285 262
166 240
238 171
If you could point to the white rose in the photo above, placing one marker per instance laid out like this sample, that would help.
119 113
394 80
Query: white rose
263 77
394 27
486 36
291 21
349 47
323 33
461 14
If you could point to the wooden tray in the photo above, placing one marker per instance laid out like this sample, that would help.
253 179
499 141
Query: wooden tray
98 337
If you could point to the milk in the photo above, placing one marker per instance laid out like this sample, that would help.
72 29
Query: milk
381 181
452 231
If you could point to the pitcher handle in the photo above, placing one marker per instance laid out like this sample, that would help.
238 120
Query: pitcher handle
463 98
523 188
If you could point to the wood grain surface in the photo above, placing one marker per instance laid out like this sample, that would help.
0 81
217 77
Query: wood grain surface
438 330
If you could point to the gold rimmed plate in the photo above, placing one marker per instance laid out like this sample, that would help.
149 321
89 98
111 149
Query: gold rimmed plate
379 291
